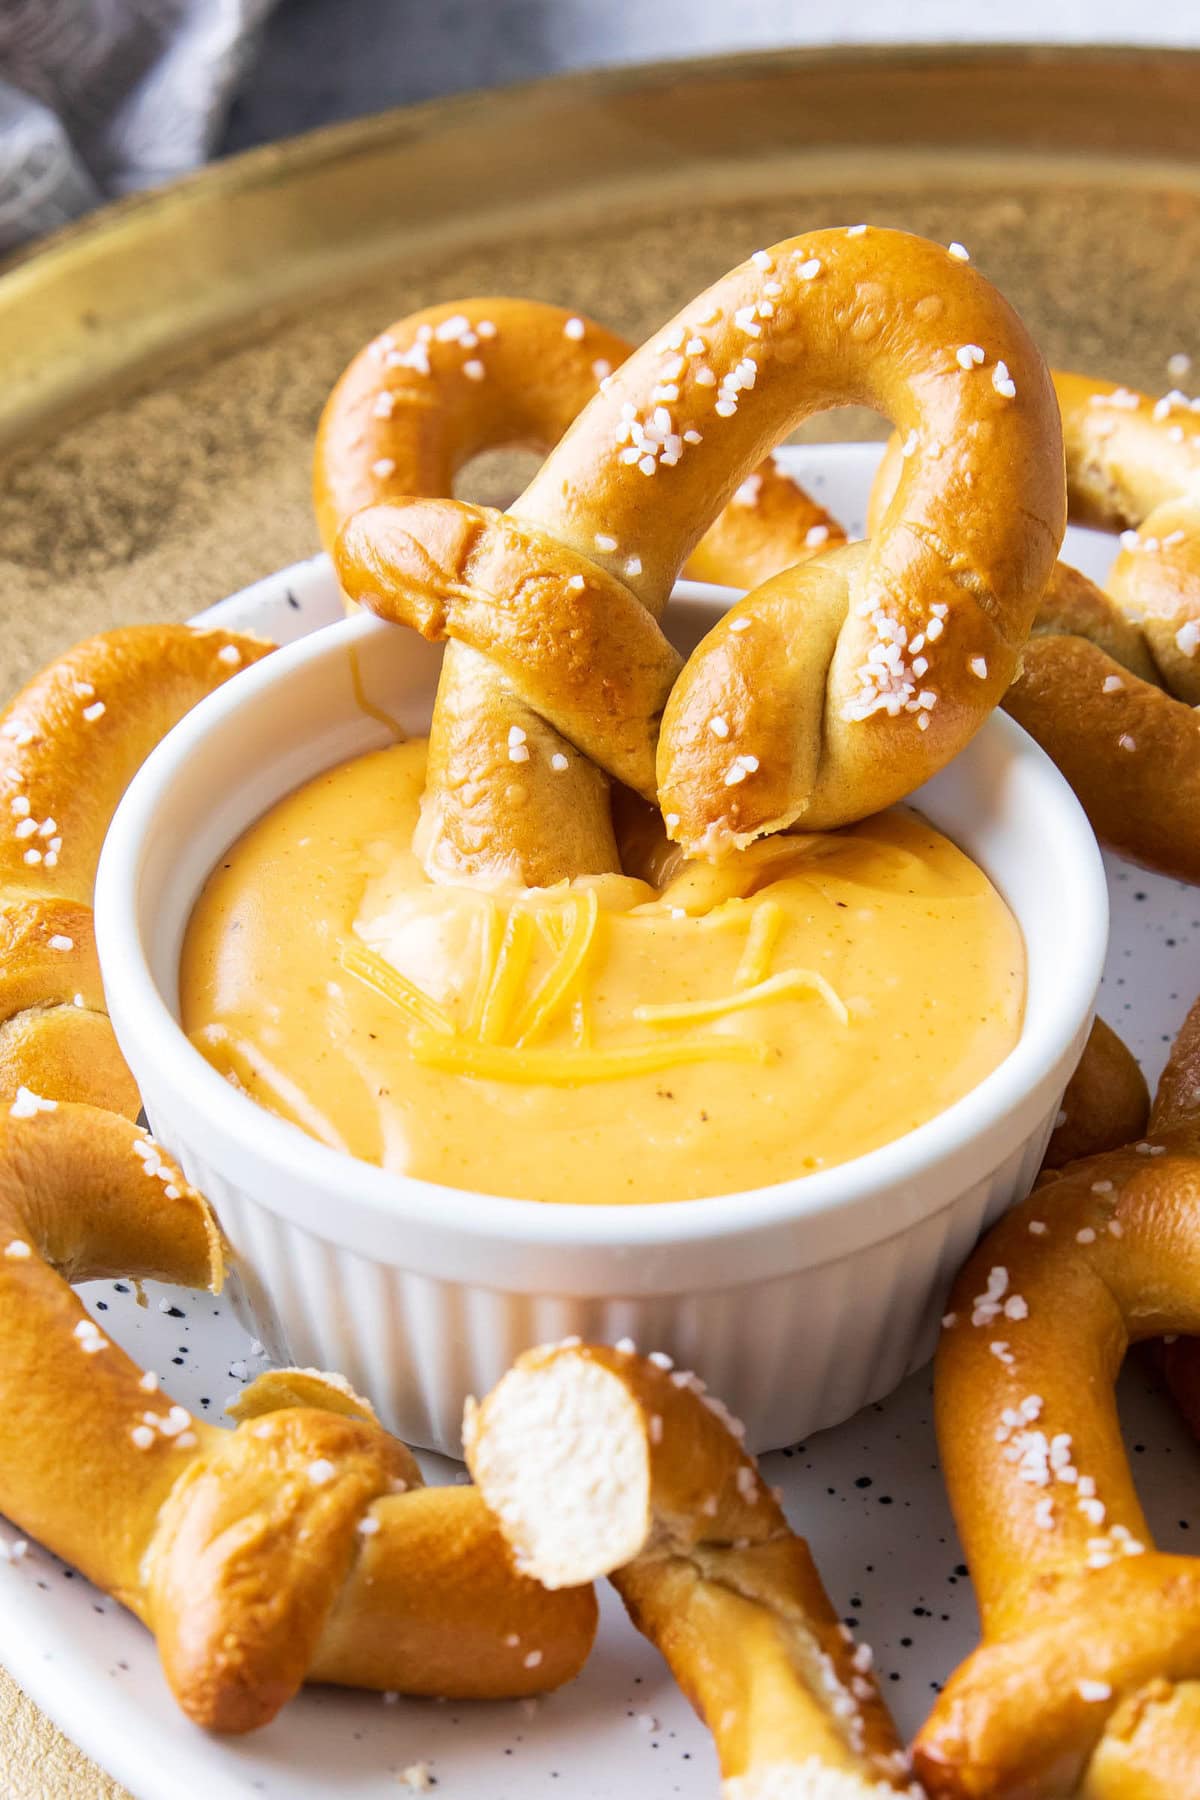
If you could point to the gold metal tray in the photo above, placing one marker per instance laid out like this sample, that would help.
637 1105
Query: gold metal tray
162 365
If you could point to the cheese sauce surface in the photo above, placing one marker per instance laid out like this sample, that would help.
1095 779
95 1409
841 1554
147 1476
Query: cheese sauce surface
610 1041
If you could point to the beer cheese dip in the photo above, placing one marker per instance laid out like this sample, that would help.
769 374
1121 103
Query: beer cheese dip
616 1040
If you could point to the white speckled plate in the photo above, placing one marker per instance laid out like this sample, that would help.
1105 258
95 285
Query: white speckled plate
867 1495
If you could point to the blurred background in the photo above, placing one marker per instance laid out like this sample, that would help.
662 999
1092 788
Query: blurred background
98 97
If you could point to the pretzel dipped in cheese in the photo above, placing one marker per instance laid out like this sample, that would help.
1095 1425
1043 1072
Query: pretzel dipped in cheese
597 1461
301 1545
70 743
418 403
830 691
1110 681
1088 1678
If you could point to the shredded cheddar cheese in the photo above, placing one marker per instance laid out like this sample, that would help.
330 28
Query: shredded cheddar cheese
766 922
556 985
365 965
508 977
775 987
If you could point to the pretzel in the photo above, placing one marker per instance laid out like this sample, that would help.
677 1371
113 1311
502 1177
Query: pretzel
70 743
418 403
301 1545
1088 1677
1109 681
1106 1103
597 1461
825 694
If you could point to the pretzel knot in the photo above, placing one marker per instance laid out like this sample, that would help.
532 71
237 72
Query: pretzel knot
303 1544
417 404
837 687
1088 1678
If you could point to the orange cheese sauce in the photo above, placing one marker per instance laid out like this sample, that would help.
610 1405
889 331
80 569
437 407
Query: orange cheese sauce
607 1041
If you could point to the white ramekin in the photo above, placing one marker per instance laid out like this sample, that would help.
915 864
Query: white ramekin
798 1303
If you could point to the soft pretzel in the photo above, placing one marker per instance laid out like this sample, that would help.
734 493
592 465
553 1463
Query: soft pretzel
1088 1678
1109 681
601 1462
301 1545
830 691
70 743
416 405
1106 1103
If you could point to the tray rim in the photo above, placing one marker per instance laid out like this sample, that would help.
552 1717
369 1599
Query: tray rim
103 305
261 164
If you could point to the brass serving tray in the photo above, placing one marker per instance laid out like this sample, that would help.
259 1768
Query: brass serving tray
162 364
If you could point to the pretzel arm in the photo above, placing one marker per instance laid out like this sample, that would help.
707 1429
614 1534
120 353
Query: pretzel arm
597 1461
1081 1616
1106 1103
1130 750
296 1546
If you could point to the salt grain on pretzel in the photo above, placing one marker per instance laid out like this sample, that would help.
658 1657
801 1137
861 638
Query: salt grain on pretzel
408 414
300 1546
70 743
1088 1678
598 1461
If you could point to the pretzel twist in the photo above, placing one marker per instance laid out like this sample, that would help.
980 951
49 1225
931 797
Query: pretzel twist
301 1545
597 1461
1109 681
1088 1678
825 694
417 404
70 743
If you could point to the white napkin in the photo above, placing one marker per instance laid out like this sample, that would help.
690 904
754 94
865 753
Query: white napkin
98 97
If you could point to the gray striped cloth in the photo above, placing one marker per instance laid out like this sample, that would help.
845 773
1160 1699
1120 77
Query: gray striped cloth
98 97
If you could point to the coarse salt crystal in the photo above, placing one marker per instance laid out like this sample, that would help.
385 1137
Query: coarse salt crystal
27 1103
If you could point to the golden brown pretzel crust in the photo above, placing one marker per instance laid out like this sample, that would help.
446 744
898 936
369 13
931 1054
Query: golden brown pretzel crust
1088 1631
70 743
297 1546
414 407
849 645
1106 1103
1109 681
598 1461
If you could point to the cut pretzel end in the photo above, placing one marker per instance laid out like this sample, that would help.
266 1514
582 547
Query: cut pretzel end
812 1779
560 1453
